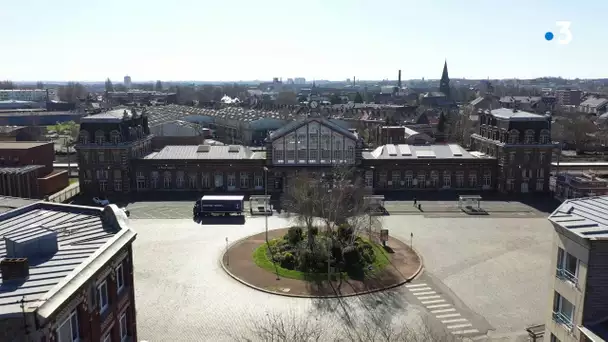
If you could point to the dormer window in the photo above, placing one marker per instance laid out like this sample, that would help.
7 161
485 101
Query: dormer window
545 137
529 137
115 137
514 136
100 138
83 137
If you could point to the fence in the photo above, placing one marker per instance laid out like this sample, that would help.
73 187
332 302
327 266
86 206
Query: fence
64 195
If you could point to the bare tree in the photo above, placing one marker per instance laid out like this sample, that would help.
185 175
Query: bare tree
302 200
287 98
274 327
578 131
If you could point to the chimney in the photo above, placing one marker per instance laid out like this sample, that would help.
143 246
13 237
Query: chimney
14 269
399 80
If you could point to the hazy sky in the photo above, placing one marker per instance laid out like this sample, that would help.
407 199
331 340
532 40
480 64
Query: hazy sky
317 39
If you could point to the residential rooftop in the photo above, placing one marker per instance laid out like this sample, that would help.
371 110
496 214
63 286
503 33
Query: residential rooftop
586 217
206 152
86 239
404 151
516 115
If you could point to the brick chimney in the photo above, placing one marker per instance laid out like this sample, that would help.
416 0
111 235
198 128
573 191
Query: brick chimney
14 269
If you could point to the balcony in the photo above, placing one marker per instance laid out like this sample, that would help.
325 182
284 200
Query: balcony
563 319
566 275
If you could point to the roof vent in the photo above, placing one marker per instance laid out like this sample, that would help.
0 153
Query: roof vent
14 269
37 242
234 148
203 148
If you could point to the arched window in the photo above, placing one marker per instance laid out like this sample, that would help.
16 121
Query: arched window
167 179
514 136
115 137
100 137
545 137
529 137
83 137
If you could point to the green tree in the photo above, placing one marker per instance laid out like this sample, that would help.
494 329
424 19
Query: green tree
7 85
441 123
158 86
358 98
109 85
335 99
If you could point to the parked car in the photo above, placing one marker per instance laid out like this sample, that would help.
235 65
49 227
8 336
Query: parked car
101 201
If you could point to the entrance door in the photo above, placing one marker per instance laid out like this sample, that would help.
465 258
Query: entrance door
524 187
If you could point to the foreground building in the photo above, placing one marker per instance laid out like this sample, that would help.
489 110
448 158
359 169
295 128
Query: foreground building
578 303
115 157
66 274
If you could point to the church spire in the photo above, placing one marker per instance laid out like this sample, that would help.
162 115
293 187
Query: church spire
444 84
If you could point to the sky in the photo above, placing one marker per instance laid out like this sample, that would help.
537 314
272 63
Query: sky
234 40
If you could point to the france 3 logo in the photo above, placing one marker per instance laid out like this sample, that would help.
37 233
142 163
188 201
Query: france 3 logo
565 35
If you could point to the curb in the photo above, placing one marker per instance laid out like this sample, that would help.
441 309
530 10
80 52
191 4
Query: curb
407 280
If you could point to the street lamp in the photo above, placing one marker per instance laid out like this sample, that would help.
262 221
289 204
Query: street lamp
266 201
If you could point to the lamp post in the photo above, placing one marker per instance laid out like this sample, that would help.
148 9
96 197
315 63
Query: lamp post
266 202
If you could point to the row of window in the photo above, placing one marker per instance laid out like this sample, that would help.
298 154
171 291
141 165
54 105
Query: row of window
314 156
514 136
526 173
525 186
420 180
115 136
69 330
112 156
207 180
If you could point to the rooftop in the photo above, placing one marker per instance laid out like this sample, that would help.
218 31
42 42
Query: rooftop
84 237
520 99
111 116
9 203
206 152
594 102
586 217
21 145
516 115
391 151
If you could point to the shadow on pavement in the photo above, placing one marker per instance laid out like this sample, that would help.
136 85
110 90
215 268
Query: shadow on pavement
220 220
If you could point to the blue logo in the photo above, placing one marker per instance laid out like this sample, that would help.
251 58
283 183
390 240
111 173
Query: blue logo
549 36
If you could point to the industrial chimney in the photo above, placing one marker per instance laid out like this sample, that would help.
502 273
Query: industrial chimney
399 80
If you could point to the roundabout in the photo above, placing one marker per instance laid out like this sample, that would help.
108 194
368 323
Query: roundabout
249 262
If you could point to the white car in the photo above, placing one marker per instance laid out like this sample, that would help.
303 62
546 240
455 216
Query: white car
100 201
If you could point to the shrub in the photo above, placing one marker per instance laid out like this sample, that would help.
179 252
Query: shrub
288 261
314 231
294 235
345 232
351 256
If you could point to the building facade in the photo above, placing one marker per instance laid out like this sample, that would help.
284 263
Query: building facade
575 185
53 289
116 158
568 97
34 95
578 304
521 143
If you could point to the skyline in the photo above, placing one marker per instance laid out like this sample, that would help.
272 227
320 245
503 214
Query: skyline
242 41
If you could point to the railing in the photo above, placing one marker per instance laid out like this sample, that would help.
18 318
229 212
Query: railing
561 318
566 275
65 194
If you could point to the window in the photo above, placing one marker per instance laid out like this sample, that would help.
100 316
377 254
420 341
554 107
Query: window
541 158
231 180
100 137
258 181
369 179
192 181
382 179
179 179
102 296
567 266
101 156
291 148
167 180
115 137
447 179
205 180
141 180
117 185
350 154
396 178
120 278
123 327
84 156
116 156
545 137
511 157
510 185
487 178
434 179
409 179
325 144
529 137
244 180
421 177
563 310
527 157
540 185
103 185
313 156
218 180
154 180
540 173
459 179
514 137
68 331
302 147
279 155
337 157
83 137
473 179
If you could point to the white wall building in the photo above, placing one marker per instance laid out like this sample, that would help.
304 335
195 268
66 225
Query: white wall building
35 95
127 82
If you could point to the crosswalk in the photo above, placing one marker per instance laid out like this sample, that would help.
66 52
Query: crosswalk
442 310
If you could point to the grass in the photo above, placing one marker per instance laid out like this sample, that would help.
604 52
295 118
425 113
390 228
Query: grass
263 260
73 180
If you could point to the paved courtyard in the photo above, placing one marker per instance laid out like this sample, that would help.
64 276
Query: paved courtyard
494 271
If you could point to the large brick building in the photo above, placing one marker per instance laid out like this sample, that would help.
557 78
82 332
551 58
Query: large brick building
26 169
115 158
66 274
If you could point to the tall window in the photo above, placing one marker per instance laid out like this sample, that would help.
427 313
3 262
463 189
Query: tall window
244 180
545 137
563 310
154 180
434 179
102 296
205 182
472 179
421 180
179 179
291 148
83 137
529 136
116 156
115 137
567 266
101 156
409 179
369 179
487 178
100 137
120 278
124 331
396 179
141 180
218 180
313 147
258 181
447 179
337 157
382 179
325 147
302 147
459 179
514 136
68 330
278 155
231 182
192 180
167 180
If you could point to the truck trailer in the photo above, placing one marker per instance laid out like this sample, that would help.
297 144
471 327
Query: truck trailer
219 204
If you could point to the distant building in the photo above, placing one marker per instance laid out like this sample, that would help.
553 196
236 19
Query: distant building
594 105
127 82
66 274
403 135
34 95
533 104
299 80
578 303
575 185
568 97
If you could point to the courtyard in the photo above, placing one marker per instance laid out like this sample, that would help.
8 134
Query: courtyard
493 270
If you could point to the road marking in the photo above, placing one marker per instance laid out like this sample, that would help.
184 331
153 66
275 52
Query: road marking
460 326
455 320
424 293
433 301
443 310
438 306
462 332
415 285
429 297
448 315
420 289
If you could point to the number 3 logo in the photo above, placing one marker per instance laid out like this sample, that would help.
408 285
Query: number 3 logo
565 34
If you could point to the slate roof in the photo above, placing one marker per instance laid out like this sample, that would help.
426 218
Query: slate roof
586 217
594 102
294 125
403 151
192 152
510 114
81 234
